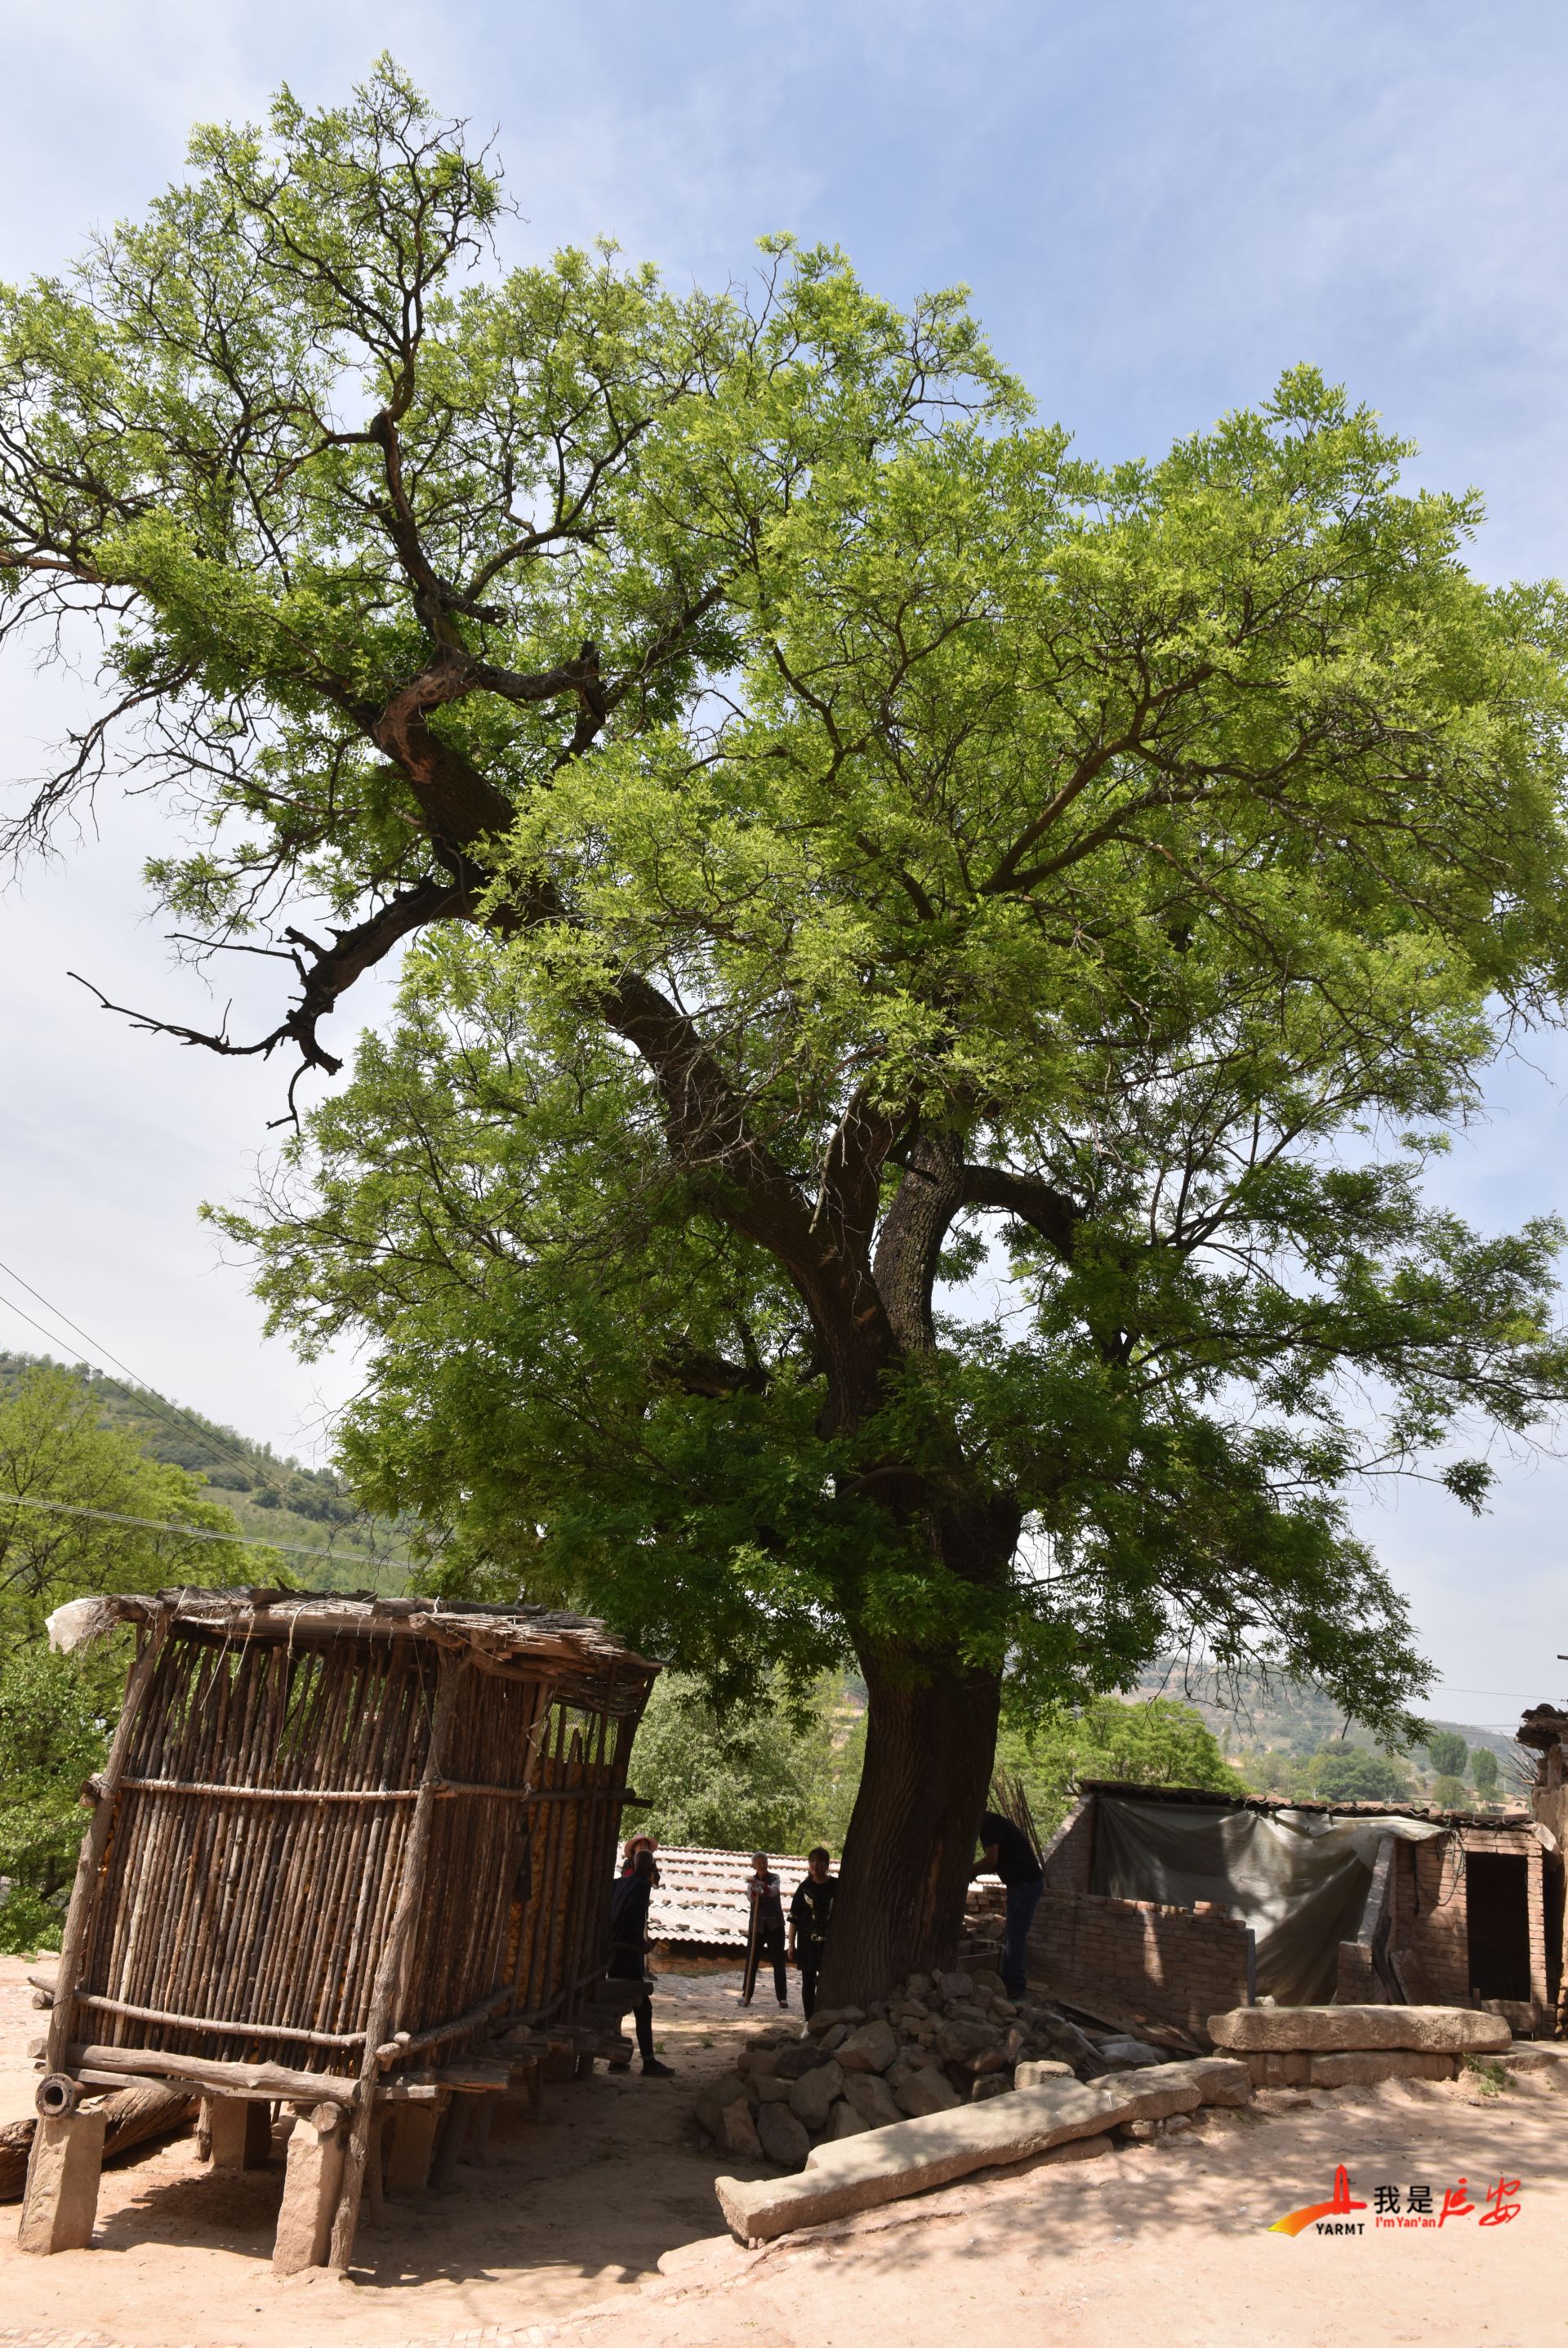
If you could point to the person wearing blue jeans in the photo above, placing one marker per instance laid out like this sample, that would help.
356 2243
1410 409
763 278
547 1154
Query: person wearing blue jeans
1010 1854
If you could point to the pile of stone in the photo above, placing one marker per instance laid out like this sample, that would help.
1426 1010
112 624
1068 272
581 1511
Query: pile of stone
946 2039
1355 2045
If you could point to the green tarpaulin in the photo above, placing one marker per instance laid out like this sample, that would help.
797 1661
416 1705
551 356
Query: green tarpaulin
1299 1879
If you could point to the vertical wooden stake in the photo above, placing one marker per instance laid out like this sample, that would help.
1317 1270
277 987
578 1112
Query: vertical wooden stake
89 1860
390 1974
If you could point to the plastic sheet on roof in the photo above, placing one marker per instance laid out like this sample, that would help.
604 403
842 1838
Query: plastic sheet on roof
1298 1879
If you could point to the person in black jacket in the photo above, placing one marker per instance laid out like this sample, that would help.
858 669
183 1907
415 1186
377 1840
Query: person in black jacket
765 1935
1010 1854
629 1953
809 1912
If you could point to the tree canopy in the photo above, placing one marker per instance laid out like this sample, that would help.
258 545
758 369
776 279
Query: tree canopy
937 965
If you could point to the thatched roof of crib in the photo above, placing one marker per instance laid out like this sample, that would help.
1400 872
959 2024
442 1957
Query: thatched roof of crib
520 1640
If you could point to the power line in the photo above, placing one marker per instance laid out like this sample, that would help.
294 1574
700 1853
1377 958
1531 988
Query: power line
192 1532
219 1442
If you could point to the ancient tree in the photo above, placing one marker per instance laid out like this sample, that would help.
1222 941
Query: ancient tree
931 969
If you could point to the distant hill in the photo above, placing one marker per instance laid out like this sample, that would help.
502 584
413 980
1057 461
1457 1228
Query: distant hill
1292 1717
272 1499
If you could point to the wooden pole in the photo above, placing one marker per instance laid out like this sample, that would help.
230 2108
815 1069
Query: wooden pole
387 1988
78 1916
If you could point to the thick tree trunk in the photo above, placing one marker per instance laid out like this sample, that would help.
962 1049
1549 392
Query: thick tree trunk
929 1744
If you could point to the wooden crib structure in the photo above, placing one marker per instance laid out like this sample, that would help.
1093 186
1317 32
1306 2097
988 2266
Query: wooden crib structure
350 1854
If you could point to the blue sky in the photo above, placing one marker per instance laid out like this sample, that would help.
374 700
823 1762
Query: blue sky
1159 204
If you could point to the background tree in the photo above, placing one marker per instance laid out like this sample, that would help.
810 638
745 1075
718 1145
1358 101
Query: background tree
775 1777
56 1711
938 965
1448 1752
1156 1743
1347 1774
1483 1772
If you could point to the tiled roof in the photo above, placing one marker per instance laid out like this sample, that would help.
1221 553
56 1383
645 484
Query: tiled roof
700 1896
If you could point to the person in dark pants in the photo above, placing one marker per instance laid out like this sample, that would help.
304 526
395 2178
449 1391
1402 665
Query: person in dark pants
629 1953
765 1937
809 1912
1010 1854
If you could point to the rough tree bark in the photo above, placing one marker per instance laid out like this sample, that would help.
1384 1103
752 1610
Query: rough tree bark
930 1740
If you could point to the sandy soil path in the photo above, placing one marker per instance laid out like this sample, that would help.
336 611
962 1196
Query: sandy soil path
562 2238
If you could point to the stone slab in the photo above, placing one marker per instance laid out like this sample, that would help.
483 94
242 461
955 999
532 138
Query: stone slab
918 2154
61 2200
1357 2029
1280 2070
1368 2067
312 2183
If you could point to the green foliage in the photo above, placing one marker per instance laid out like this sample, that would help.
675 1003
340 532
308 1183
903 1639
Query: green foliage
304 1505
1346 1774
768 1776
1448 1752
1155 1742
1484 1772
52 1449
854 840
1448 1792
55 1711
56 1714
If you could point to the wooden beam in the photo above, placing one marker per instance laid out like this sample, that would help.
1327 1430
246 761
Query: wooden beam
268 2079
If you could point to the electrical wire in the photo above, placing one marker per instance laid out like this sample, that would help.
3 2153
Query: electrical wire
223 1445
193 1532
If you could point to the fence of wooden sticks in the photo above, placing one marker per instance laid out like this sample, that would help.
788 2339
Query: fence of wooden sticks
347 1854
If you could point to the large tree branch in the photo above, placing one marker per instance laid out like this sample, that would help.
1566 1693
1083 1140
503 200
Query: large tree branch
916 1225
1038 1204
327 975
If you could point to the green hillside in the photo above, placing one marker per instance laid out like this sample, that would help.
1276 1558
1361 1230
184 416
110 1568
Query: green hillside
273 1500
1288 1721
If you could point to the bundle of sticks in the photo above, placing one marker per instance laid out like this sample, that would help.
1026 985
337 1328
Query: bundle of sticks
1008 1798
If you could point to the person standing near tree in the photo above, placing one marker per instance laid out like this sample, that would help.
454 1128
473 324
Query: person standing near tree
1010 1854
765 1937
809 1914
629 1953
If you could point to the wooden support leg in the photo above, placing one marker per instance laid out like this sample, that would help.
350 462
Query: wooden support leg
476 2152
63 2172
454 2136
373 2208
241 2131
413 2142
312 2184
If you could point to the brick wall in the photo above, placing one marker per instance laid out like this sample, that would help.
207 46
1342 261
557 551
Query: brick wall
1174 1964
1430 1911
1068 1855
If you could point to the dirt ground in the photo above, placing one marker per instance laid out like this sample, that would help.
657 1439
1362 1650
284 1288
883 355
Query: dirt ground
562 2237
